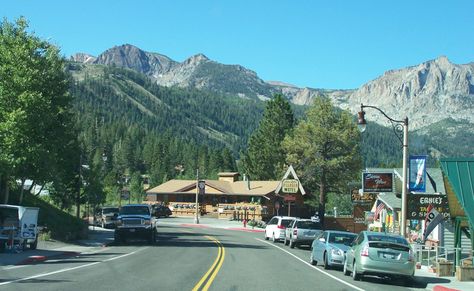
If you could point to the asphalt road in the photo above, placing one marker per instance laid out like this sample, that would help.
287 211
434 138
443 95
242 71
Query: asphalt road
189 258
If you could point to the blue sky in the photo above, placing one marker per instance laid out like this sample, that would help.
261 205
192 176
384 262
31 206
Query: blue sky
318 44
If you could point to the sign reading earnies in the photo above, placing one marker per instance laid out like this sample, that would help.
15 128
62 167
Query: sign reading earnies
418 205
377 182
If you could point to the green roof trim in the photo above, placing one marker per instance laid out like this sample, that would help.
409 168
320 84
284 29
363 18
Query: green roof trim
460 174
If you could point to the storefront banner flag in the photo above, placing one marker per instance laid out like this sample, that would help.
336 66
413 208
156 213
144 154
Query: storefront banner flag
433 218
417 168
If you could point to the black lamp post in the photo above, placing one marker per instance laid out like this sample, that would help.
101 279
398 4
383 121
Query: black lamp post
400 128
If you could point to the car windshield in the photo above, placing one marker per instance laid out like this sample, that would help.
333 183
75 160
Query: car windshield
141 210
387 238
341 238
110 210
308 225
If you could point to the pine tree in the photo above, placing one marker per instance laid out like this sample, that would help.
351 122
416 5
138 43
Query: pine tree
324 149
265 156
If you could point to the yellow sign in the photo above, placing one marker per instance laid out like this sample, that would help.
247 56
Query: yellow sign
290 186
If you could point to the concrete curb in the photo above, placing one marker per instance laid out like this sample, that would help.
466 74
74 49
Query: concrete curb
38 259
442 288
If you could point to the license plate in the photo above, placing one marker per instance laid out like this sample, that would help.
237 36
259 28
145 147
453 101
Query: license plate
388 256
131 230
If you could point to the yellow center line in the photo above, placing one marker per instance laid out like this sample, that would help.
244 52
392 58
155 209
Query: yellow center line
215 267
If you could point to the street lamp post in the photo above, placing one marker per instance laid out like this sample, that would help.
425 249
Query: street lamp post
400 128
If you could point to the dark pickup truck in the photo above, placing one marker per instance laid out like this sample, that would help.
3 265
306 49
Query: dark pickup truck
135 221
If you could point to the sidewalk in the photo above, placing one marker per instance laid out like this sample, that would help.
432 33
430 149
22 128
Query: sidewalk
51 249
441 283
209 222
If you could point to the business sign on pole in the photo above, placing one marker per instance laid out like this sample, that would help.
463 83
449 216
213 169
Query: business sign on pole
418 205
362 198
377 182
202 187
417 170
290 186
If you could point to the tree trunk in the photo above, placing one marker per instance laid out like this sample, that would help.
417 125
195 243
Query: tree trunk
7 190
22 190
41 189
322 199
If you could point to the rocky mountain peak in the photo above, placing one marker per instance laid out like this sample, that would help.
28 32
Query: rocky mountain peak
196 59
425 93
83 58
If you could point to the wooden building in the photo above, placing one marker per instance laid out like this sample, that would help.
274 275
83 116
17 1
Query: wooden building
227 198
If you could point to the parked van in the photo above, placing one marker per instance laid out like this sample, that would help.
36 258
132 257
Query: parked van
18 226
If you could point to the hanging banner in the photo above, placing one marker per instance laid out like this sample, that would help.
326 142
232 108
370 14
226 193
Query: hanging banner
433 218
417 169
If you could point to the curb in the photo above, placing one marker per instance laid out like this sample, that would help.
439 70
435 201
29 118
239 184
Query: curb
38 259
442 288
245 229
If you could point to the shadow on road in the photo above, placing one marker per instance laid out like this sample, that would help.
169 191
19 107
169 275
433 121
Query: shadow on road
417 282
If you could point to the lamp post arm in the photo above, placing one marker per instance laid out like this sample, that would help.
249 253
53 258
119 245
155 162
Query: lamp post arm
362 106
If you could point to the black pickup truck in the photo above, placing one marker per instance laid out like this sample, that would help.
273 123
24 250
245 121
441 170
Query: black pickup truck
135 221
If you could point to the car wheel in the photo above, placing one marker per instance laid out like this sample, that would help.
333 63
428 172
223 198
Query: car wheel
34 244
266 237
312 261
326 263
152 237
274 238
285 241
345 270
355 275
408 281
292 244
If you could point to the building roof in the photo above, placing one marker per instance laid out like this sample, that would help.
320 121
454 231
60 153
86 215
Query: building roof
390 200
257 188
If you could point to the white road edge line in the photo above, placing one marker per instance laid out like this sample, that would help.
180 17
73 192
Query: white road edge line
68 269
314 267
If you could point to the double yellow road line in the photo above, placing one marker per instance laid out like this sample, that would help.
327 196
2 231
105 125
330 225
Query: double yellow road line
211 274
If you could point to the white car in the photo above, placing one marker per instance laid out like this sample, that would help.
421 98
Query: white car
275 228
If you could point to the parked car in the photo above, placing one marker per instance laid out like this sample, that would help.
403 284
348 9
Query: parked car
330 248
302 232
275 228
135 221
381 254
18 226
107 216
161 211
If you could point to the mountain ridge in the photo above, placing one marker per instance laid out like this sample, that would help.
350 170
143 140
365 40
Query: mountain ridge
427 93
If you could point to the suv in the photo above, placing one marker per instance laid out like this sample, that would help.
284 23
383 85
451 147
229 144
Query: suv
135 220
302 232
276 227
161 210
107 216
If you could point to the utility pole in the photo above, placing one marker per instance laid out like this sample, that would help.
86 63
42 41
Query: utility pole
196 219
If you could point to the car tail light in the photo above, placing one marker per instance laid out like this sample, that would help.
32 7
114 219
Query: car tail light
295 231
365 251
281 227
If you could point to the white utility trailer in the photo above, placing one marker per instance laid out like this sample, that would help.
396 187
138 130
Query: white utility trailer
18 226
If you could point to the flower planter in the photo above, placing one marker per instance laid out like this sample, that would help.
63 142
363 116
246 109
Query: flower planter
444 269
465 273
